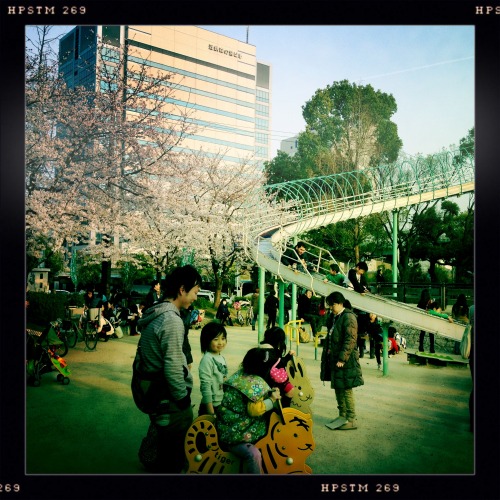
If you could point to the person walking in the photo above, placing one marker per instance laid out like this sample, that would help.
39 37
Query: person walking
254 303
162 359
223 313
305 311
154 294
425 303
271 309
340 360
380 280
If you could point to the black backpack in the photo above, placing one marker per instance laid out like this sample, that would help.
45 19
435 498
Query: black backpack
148 390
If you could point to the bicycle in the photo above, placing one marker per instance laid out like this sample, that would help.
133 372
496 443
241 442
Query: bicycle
90 327
249 316
76 333
239 318
61 349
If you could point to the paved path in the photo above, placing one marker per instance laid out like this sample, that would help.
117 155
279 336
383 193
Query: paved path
414 421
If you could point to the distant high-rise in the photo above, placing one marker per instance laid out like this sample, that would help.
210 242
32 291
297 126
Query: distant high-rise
216 77
289 146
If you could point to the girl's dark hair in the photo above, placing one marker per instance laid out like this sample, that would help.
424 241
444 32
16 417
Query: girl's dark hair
391 331
277 338
461 300
258 361
186 276
209 332
335 298
425 296
460 307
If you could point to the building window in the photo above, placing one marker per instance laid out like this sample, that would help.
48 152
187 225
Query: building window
262 96
261 151
111 35
262 110
262 124
262 138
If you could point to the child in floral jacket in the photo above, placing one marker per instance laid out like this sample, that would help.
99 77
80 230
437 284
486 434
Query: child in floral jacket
241 417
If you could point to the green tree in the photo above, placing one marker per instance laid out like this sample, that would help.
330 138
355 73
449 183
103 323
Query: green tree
283 168
348 127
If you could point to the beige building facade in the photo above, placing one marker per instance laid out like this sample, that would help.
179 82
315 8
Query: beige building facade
218 81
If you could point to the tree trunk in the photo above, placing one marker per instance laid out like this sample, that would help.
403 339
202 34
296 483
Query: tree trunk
432 271
218 290
105 277
356 239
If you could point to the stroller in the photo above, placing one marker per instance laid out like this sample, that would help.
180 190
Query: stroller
42 356
196 318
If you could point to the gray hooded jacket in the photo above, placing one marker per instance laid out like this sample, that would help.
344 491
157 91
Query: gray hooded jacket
162 336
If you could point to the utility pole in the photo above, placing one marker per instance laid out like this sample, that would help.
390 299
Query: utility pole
248 29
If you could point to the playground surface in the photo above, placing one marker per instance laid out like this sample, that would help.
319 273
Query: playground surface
415 420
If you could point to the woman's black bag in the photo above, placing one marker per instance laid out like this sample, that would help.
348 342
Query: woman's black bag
325 373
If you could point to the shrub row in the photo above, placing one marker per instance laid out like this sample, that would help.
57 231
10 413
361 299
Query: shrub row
45 307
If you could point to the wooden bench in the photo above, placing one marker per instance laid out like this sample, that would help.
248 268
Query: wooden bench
436 359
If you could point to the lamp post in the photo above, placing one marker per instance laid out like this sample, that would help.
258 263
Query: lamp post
395 252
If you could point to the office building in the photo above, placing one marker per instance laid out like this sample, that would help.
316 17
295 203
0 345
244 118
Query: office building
289 146
217 78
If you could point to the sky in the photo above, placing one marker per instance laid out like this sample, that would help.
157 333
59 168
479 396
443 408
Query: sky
428 69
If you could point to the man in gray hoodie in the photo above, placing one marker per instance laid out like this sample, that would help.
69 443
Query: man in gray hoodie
160 345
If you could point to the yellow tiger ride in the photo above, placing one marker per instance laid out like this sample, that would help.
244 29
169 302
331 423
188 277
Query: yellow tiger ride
285 447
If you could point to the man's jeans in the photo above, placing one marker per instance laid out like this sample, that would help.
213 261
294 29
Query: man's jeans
172 427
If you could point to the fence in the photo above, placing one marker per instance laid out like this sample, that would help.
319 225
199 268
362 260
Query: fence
445 293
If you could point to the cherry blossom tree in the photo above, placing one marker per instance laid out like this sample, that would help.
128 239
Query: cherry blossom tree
90 150
218 210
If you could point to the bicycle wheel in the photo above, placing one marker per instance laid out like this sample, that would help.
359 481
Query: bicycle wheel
60 349
90 337
91 340
72 335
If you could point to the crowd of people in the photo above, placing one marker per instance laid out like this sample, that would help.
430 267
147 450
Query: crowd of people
241 401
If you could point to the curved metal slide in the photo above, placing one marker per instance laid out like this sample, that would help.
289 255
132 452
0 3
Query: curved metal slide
279 212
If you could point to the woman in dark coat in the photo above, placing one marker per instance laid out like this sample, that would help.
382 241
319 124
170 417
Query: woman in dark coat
340 350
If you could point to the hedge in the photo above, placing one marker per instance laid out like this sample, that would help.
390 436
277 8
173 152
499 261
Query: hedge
45 307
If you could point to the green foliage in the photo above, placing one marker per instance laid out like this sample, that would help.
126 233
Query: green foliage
202 303
45 307
443 275
283 168
466 147
135 271
348 126
445 237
